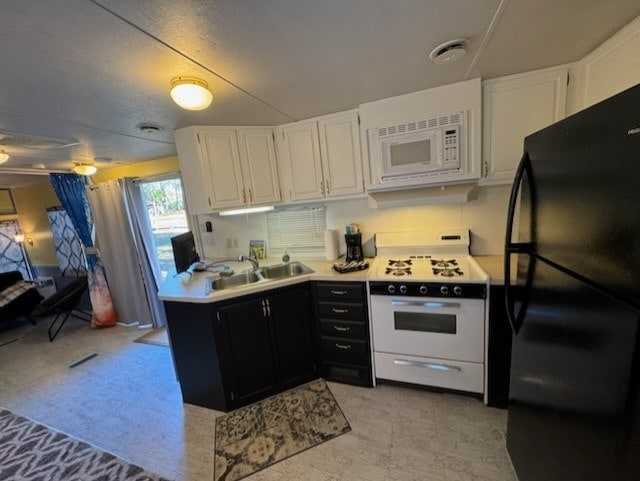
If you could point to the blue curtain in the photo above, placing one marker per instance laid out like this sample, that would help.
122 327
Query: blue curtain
71 190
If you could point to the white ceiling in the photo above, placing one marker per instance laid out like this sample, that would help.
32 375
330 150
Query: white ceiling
93 70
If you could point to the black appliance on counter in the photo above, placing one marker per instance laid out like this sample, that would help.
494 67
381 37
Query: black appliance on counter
574 409
354 247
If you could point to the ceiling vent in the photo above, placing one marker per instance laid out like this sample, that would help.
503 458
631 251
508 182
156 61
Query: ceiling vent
11 140
149 128
449 51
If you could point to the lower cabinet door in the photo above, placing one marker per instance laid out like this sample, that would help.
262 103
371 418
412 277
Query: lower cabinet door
250 353
292 344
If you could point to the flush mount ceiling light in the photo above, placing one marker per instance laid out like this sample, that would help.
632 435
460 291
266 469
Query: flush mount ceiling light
3 156
449 51
190 93
84 169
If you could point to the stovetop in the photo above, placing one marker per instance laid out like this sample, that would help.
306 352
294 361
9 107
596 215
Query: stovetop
436 256
426 268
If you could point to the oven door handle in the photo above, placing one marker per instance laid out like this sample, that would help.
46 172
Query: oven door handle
454 305
429 365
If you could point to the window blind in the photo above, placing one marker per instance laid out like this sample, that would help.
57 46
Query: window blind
297 230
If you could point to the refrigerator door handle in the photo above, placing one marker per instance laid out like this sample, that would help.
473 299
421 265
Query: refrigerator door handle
514 247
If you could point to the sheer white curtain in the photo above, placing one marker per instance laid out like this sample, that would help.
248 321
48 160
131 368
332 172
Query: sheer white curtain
121 241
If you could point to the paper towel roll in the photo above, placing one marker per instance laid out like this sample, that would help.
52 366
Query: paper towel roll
331 244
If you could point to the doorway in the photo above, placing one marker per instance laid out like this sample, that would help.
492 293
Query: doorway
165 205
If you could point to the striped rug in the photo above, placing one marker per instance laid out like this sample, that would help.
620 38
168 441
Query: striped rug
33 452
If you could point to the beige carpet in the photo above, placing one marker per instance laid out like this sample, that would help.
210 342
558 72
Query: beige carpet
157 337
261 434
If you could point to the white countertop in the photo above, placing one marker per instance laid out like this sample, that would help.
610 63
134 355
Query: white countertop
185 288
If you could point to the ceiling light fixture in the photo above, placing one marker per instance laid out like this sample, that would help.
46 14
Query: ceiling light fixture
449 51
84 169
3 156
190 93
248 210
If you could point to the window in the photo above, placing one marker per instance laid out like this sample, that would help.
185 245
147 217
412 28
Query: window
13 257
299 230
165 205
68 246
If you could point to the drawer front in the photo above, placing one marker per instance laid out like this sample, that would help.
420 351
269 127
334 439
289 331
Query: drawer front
462 376
350 329
345 350
352 291
341 310
347 373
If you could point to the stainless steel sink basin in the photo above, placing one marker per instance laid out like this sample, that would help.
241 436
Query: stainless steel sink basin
234 281
284 271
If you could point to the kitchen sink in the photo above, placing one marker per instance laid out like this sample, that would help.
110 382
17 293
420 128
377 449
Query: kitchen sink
284 271
263 274
234 281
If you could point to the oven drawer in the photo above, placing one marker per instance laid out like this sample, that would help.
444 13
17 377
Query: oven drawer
341 310
347 373
462 376
350 329
351 292
346 350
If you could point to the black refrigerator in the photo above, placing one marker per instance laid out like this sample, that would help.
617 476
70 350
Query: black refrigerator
574 308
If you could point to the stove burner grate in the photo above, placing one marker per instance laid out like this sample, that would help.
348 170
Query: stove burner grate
398 271
447 272
444 263
403 263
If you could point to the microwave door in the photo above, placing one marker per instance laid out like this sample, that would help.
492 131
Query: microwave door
410 155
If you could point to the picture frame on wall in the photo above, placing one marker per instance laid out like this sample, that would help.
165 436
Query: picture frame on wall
7 206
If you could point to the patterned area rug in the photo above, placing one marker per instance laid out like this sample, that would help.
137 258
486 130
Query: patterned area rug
256 436
32 452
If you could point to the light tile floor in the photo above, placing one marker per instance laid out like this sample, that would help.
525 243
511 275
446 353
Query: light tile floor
127 401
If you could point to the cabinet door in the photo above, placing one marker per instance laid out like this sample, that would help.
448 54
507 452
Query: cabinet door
249 343
514 107
223 171
259 165
340 149
292 345
300 160
192 170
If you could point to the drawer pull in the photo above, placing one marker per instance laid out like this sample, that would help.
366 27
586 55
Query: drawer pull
343 346
427 365
342 329
338 293
339 311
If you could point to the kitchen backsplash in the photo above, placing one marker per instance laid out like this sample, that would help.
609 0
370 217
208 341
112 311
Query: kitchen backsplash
485 217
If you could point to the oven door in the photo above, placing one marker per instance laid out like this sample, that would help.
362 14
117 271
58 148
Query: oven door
431 327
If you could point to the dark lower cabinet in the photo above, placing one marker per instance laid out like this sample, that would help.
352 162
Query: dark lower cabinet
232 353
249 348
342 332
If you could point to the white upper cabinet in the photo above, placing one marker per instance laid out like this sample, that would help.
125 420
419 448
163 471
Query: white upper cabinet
320 158
340 150
258 157
224 167
514 107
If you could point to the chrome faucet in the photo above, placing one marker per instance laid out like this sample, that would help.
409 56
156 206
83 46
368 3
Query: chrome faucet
251 258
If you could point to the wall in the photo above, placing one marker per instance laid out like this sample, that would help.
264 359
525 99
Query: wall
139 169
485 217
31 202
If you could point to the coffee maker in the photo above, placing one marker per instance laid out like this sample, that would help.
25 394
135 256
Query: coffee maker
354 247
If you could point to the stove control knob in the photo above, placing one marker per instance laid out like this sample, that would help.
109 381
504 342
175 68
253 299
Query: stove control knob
457 290
444 290
403 289
391 288
423 289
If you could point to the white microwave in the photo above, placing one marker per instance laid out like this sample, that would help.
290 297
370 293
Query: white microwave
421 148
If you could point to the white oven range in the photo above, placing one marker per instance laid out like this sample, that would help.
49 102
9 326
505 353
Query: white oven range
428 310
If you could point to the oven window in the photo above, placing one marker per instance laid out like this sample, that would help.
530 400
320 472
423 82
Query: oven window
411 153
425 322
